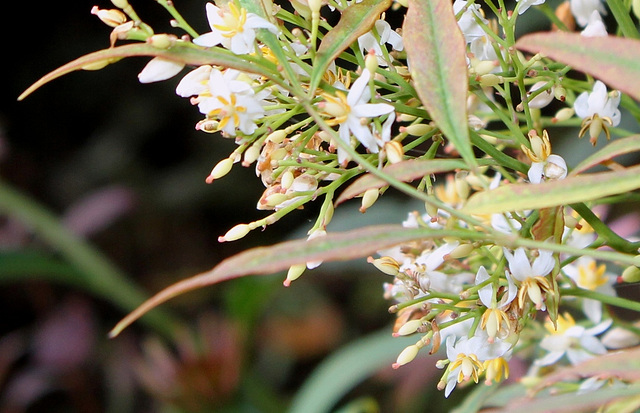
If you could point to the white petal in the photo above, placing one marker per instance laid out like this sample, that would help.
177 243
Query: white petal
159 69
358 87
209 39
535 172
581 105
543 264
486 292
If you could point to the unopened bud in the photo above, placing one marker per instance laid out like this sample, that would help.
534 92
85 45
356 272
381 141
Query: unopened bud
162 41
635 7
560 93
387 265
563 114
618 338
630 274
570 221
328 215
235 233
277 136
295 271
287 179
122 4
395 151
404 117
409 327
417 129
221 169
490 80
100 64
461 184
111 17
371 62
274 200
543 98
484 67
406 356
462 250
369 198
251 155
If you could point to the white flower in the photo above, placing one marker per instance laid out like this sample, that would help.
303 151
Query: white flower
349 111
582 10
543 164
482 49
589 276
234 29
195 82
574 341
494 320
523 5
467 22
232 102
598 102
543 98
368 41
595 27
531 276
159 69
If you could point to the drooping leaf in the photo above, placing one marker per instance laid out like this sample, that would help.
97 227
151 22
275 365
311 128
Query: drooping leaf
356 20
518 197
181 53
615 148
340 246
614 60
436 55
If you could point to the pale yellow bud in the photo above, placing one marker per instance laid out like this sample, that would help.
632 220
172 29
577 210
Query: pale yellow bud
274 200
235 233
462 186
630 274
406 356
277 136
417 129
295 271
409 327
287 179
618 338
395 151
635 7
369 198
162 41
387 265
251 155
560 93
484 67
371 62
221 169
490 80
328 215
122 4
462 251
403 117
563 114
111 17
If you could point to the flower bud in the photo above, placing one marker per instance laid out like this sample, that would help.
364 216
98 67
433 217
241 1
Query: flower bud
395 151
618 338
635 7
406 356
111 17
221 169
404 117
295 271
251 155
563 114
371 62
235 233
287 179
542 99
369 198
461 251
277 136
417 129
560 93
387 265
409 327
490 80
162 41
630 274
121 4
484 67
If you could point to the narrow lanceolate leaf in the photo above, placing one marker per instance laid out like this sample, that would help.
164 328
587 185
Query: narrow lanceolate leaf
268 260
181 53
405 171
436 55
614 60
615 148
518 197
356 20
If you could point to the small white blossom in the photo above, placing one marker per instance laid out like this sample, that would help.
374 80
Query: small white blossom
467 22
368 41
234 29
531 276
523 5
598 102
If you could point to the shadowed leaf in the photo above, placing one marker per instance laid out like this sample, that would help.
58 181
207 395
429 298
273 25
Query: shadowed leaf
436 54
614 60
518 197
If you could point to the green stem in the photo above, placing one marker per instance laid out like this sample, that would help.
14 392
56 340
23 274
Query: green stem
603 298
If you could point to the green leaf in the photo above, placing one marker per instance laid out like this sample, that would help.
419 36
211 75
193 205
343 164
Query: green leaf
621 13
614 60
405 171
615 148
181 53
518 197
356 20
346 368
436 53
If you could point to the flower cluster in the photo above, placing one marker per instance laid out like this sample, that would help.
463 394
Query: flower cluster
508 255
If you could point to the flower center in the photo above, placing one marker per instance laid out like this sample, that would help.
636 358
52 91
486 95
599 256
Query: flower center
233 21
591 277
470 367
